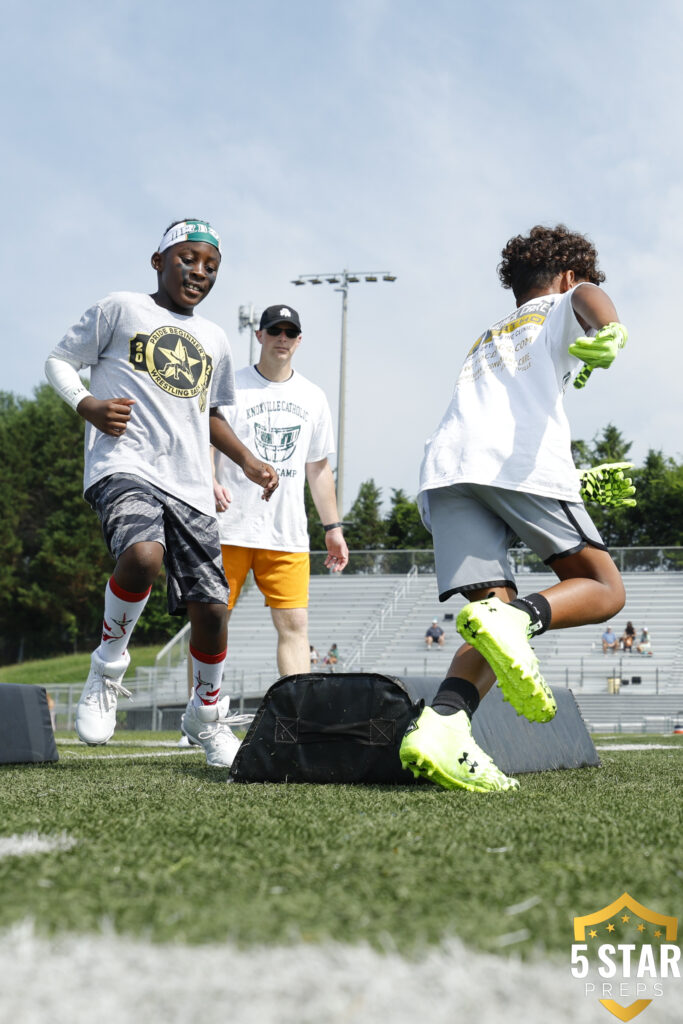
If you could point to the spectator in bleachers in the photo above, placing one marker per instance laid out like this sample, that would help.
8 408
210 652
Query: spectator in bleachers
609 640
313 655
644 644
628 637
435 634
332 656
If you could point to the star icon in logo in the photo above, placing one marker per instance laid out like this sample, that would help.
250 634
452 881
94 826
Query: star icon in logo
179 362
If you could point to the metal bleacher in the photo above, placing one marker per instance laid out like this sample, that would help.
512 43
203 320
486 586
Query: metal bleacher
570 657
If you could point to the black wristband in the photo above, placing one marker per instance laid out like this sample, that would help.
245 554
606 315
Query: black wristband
331 526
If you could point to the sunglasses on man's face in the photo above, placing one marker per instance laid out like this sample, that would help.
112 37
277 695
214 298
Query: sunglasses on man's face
290 332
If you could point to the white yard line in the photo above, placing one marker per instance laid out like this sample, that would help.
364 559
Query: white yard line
123 743
32 842
639 746
110 979
128 757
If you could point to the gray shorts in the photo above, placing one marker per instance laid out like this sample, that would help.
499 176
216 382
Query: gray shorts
132 510
473 526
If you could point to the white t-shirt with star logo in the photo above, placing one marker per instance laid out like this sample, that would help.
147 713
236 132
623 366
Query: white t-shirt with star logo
176 368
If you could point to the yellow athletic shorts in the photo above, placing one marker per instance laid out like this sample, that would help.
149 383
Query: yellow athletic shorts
281 576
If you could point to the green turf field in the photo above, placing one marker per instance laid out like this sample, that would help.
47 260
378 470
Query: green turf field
165 849
70 668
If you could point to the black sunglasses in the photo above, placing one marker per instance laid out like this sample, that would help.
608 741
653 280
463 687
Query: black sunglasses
275 332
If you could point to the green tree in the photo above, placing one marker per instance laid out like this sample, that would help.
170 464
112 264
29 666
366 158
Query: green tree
610 446
404 527
366 529
657 519
315 527
55 563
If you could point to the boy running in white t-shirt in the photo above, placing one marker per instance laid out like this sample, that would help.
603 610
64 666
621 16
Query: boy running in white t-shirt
158 373
499 466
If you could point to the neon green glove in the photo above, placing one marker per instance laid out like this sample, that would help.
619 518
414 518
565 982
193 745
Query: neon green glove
599 351
606 485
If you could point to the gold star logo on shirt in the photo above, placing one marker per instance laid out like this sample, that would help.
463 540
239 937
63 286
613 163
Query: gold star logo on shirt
179 362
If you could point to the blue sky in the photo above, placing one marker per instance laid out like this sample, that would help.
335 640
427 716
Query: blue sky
366 134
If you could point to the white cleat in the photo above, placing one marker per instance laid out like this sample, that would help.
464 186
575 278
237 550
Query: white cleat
186 742
208 727
96 710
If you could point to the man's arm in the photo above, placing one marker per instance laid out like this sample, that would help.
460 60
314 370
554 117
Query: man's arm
321 482
224 438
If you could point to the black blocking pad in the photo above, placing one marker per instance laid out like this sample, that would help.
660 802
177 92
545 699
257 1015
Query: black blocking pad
347 727
26 734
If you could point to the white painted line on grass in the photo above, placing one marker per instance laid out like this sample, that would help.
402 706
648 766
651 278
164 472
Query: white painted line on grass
32 842
129 757
112 979
639 746
122 743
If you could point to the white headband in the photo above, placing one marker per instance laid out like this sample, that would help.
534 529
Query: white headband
190 231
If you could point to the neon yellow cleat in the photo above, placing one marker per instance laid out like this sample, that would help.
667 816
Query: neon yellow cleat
499 633
440 748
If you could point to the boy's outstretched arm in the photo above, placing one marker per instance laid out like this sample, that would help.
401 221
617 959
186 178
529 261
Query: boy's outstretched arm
595 309
109 415
593 306
225 440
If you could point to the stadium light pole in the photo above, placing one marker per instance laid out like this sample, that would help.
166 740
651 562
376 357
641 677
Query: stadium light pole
342 280
248 317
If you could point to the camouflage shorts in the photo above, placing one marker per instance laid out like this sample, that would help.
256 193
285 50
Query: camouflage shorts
132 510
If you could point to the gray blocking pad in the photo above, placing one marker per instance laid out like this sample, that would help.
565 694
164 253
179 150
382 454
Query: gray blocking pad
26 734
517 745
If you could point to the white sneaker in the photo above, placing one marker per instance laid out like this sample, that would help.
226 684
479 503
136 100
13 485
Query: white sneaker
207 726
96 710
185 741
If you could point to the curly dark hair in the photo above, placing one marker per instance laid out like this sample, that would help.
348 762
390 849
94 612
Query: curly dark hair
533 261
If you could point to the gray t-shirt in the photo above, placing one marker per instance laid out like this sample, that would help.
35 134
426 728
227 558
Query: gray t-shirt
176 368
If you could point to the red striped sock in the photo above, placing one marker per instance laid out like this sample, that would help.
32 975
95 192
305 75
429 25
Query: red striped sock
207 674
122 609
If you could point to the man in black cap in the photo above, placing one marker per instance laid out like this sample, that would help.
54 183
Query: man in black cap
286 419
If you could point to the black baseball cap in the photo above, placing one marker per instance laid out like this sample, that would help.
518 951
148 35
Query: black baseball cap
279 315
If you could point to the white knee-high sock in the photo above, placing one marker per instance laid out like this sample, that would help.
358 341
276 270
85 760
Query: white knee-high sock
207 674
121 611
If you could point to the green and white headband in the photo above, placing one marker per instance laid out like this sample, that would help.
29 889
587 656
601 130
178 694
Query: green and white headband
190 231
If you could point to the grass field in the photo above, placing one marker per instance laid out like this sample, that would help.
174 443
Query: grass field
70 668
154 847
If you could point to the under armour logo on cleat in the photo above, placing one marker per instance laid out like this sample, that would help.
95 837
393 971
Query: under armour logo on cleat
466 760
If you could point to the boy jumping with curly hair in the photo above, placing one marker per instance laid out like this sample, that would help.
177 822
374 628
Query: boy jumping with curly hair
499 466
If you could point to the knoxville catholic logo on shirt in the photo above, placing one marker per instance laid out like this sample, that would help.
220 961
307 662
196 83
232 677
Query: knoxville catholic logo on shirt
175 361
627 951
